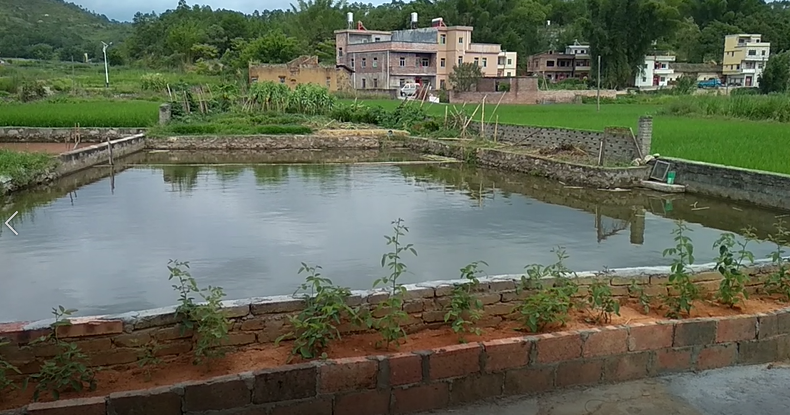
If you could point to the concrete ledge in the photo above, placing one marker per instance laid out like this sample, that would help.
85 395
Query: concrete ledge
450 376
61 135
599 177
662 187
266 142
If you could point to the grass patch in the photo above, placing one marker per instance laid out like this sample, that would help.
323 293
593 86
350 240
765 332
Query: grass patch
745 106
23 167
67 113
759 145
234 123
233 129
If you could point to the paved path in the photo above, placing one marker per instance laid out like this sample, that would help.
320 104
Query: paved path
744 390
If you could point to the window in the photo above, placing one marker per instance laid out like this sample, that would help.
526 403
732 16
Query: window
663 79
442 84
477 61
328 82
663 66
363 83
443 39
339 51
644 79
254 79
364 62
752 52
402 62
738 66
442 63
375 62
550 64
352 64
460 60
485 62
461 39
510 61
378 39
763 53
402 82
375 82
426 62
282 79
417 62
509 74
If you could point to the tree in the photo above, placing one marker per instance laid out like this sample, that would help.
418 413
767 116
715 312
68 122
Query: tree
465 76
776 74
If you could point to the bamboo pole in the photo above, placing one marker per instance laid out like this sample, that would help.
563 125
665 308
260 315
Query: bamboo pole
109 149
496 127
497 106
483 118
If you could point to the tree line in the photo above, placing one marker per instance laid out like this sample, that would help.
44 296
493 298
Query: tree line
620 31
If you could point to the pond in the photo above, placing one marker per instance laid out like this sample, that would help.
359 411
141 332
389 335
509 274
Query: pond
100 242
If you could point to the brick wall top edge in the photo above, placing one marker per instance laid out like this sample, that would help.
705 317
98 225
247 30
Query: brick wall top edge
264 136
542 127
418 290
721 166
550 160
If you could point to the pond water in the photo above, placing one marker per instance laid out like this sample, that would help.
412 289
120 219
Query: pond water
100 242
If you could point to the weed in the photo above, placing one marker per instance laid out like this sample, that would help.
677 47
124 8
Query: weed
732 288
325 307
779 281
67 369
548 305
5 369
601 303
391 309
638 291
465 308
210 325
23 167
679 279
149 359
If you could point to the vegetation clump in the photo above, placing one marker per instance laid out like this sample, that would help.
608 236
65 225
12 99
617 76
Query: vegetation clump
547 305
729 263
22 168
465 309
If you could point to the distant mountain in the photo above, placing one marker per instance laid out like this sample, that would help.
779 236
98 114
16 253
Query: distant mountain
47 29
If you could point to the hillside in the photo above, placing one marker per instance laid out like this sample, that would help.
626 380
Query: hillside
45 29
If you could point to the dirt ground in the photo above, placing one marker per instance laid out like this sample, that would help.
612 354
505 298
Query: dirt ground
180 369
50 148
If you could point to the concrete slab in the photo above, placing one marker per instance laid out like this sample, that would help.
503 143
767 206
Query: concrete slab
663 187
731 391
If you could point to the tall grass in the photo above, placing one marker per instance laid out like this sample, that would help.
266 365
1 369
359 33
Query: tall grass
23 167
116 113
749 107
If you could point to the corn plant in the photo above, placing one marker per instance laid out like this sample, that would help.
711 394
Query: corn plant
686 292
268 96
465 309
67 370
391 313
325 308
779 280
729 263
211 326
311 99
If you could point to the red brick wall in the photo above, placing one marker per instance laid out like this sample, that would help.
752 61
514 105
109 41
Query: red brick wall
457 375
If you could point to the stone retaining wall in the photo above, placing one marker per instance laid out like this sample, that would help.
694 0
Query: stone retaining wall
601 177
754 186
62 135
261 142
82 158
406 383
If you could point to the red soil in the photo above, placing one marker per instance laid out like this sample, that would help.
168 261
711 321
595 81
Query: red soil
181 369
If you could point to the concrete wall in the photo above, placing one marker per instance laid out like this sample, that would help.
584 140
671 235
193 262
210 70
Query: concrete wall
259 142
619 144
407 383
531 97
754 186
62 135
83 158
600 177
303 70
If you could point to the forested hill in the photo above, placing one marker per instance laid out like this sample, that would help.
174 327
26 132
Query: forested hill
47 29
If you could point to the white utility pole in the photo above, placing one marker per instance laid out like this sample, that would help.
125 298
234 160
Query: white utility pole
106 69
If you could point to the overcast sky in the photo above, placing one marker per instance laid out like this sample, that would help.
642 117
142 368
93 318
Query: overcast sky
124 11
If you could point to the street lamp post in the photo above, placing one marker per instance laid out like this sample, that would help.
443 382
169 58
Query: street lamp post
106 69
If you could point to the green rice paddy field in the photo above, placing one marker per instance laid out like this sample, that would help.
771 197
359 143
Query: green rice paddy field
760 145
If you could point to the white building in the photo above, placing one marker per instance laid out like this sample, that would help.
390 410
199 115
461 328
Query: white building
745 56
506 64
655 71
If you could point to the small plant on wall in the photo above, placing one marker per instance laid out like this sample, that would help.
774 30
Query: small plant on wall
601 304
729 263
547 305
6 369
388 317
779 280
67 370
683 291
642 298
210 325
317 324
465 309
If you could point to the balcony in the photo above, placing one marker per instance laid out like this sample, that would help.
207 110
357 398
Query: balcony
484 48
412 70
756 58
663 71
392 47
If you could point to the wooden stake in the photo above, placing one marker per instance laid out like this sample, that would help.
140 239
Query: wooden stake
483 118
496 127
496 107
109 149
445 116
600 151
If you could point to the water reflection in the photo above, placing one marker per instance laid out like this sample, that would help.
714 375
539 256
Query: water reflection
99 240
